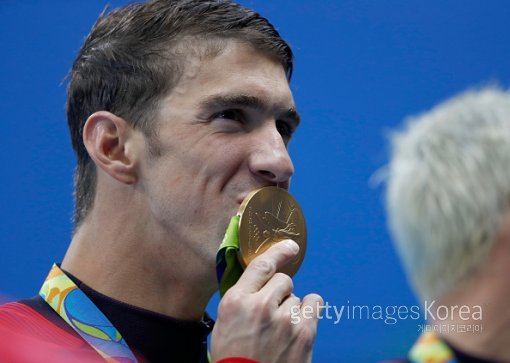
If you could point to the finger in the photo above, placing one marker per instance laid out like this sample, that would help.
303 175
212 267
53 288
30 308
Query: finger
311 308
289 303
291 308
277 288
263 267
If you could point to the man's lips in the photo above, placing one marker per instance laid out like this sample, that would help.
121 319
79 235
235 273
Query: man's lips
240 197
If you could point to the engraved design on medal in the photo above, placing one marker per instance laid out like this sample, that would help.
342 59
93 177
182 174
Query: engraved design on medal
275 228
268 216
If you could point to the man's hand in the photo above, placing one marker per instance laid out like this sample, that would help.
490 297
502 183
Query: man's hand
260 318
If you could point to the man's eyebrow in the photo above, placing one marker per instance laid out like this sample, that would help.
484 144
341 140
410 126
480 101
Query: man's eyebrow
218 101
240 100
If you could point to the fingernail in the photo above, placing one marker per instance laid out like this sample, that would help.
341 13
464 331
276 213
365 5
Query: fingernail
293 246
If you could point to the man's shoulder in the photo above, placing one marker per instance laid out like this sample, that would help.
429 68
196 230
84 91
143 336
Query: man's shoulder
29 330
17 315
33 316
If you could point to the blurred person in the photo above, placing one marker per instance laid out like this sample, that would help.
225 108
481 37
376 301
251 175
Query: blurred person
448 197
177 109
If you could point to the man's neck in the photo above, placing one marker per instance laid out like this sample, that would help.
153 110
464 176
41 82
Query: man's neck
484 331
123 260
486 338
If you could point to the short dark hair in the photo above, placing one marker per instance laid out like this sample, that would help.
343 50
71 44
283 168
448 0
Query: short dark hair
131 59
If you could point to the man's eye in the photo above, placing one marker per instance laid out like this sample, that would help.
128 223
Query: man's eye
284 128
235 115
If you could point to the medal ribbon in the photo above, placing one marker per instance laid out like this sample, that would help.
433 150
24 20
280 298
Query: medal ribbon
431 349
228 268
62 294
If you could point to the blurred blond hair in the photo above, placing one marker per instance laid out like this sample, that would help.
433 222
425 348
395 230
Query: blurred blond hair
448 187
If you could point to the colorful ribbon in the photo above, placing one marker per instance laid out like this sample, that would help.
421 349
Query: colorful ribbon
62 294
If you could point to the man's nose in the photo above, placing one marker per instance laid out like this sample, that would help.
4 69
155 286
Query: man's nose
270 159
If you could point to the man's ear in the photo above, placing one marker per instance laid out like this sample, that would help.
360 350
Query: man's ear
112 143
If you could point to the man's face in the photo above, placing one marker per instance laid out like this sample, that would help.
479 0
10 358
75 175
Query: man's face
222 132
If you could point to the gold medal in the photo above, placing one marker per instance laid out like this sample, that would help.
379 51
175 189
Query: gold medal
269 215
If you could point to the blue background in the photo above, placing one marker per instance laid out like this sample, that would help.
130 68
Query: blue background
361 67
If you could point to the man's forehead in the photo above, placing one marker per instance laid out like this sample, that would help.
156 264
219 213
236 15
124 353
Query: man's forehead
239 73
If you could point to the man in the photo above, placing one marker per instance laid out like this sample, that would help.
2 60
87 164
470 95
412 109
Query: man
177 110
448 203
